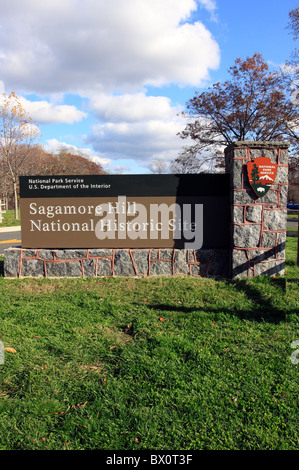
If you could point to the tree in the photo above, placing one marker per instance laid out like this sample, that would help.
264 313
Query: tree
254 104
294 22
17 132
159 166
67 163
186 164
255 174
292 68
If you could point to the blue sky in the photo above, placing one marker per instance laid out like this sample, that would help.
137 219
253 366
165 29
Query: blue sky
110 77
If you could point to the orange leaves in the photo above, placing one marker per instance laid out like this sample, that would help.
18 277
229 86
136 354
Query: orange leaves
78 406
252 104
17 126
11 350
163 320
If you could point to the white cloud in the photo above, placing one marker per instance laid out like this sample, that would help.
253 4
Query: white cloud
139 140
79 45
44 112
131 107
108 52
209 4
138 127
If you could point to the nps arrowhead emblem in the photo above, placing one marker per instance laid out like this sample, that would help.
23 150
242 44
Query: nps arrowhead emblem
261 174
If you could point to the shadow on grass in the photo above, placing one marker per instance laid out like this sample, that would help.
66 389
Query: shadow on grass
264 308
1 268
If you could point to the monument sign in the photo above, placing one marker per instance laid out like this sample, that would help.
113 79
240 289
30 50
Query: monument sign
125 211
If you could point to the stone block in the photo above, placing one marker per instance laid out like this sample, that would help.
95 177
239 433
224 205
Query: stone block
254 214
244 197
284 156
46 255
11 262
67 269
29 253
282 175
161 268
258 256
100 253
275 219
204 256
238 215
89 267
237 174
265 152
240 264
219 266
123 265
141 258
246 236
268 239
281 238
166 254
283 195
270 268
104 268
199 270
180 262
271 197
32 268
70 254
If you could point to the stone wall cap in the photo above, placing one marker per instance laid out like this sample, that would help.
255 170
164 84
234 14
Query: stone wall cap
258 144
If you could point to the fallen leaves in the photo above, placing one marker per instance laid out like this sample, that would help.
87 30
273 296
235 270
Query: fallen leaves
11 350
79 405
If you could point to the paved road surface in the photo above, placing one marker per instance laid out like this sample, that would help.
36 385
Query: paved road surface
9 237
292 223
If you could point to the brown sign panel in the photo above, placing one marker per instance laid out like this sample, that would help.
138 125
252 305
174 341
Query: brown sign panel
131 211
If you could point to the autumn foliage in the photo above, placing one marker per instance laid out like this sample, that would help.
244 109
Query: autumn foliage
254 104
20 155
39 162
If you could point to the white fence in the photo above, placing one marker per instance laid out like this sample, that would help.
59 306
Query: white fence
2 210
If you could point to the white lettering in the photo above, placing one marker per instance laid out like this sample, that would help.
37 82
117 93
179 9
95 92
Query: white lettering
33 208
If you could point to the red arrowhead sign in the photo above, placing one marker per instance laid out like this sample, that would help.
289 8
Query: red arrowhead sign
261 174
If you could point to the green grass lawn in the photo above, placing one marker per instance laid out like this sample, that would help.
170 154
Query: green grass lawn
292 270
157 363
293 215
9 219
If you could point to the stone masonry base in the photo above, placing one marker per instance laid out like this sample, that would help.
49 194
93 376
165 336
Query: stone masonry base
21 263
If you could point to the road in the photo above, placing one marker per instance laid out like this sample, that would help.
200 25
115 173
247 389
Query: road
292 223
9 237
